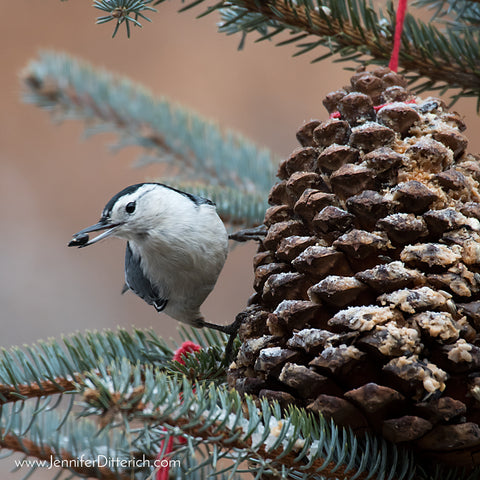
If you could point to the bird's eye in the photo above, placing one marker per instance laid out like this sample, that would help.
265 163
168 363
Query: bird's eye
130 207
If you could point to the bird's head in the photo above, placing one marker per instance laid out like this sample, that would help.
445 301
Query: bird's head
133 213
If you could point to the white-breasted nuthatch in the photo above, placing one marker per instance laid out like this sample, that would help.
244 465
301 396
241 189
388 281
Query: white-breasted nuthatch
176 247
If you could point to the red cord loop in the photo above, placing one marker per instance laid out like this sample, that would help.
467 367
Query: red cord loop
163 472
185 348
397 37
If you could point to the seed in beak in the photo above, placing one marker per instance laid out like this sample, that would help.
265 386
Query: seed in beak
79 240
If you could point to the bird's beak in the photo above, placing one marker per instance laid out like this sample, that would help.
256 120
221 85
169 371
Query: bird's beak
81 238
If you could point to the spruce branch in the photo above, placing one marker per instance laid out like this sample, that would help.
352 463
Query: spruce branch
443 57
195 147
352 29
460 14
80 465
53 367
139 406
294 444
123 11
49 368
45 453
48 438
43 388
142 405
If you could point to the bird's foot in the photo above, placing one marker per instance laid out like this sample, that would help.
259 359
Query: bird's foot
255 233
230 330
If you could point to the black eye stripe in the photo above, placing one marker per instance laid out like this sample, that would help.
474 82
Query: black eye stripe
130 207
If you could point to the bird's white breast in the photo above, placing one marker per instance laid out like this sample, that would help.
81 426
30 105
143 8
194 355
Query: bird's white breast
182 255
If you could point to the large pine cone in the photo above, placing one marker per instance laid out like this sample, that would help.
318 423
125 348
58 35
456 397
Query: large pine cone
368 289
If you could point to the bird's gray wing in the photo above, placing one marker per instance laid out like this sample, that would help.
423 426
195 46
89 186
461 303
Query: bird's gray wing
139 283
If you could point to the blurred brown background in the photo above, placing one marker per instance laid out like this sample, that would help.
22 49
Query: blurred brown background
53 182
